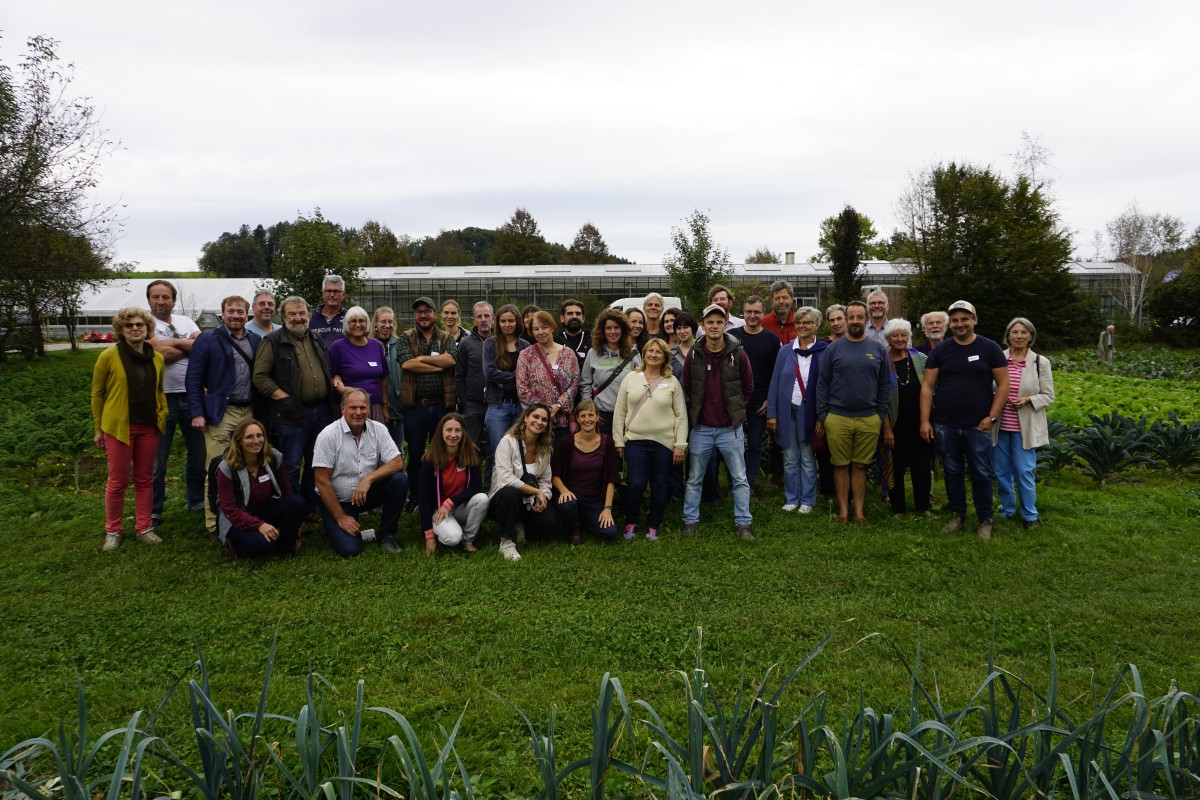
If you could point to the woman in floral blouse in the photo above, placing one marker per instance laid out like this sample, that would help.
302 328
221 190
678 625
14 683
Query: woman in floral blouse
548 373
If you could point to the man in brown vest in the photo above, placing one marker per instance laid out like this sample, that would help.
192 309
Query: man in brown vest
427 357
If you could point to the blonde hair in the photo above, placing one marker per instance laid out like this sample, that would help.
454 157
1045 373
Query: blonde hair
125 314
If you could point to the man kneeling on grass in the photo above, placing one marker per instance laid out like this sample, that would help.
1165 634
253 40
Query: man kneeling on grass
357 467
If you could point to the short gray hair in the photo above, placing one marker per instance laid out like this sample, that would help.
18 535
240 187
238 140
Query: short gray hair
809 313
1028 325
484 304
778 285
928 314
897 325
336 280
653 294
357 312
878 293
353 391
833 308
293 300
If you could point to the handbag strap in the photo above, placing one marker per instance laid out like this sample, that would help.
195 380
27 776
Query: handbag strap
649 391
799 380
546 365
612 376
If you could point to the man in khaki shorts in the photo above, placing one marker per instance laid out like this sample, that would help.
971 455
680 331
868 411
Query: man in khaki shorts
852 402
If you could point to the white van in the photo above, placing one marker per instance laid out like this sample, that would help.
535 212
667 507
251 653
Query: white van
626 303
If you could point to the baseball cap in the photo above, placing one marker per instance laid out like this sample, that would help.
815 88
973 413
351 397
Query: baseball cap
423 301
962 305
715 308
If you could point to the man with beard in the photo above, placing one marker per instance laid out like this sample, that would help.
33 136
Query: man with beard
877 310
853 389
761 347
469 378
358 467
720 295
782 319
933 323
220 385
428 357
291 370
574 334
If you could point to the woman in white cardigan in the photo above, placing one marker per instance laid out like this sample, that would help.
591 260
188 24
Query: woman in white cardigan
520 492
1023 426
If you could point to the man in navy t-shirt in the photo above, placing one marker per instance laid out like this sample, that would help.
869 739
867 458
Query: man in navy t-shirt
969 375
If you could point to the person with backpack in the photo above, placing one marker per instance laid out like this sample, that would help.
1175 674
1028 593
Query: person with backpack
258 514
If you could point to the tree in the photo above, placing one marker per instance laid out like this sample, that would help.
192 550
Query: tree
997 243
697 262
312 248
870 246
445 250
235 255
846 254
1174 304
519 241
53 235
379 247
588 247
763 255
1137 239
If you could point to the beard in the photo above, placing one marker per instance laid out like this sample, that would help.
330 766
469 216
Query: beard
856 329
574 325
297 328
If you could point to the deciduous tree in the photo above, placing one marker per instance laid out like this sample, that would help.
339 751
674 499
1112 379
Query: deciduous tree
312 248
519 241
589 247
379 247
1137 239
235 255
763 255
697 263
869 245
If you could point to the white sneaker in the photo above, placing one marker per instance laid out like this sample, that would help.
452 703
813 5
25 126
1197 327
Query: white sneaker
805 509
111 542
509 551
367 535
148 536
790 507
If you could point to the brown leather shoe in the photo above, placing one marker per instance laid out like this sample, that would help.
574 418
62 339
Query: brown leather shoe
984 529
954 525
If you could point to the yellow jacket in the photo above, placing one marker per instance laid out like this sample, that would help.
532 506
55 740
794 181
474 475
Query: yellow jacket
110 395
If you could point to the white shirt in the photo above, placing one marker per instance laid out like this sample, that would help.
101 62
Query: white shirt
176 371
803 360
350 459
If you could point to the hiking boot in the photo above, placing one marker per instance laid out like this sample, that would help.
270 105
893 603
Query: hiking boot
984 529
148 536
745 532
690 528
111 542
509 550
389 544
954 525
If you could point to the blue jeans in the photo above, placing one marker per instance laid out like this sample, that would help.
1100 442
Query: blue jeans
966 449
799 465
419 424
498 418
1014 467
730 442
296 443
390 493
195 469
755 427
647 462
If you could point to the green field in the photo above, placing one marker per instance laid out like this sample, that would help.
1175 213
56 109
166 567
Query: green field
1110 576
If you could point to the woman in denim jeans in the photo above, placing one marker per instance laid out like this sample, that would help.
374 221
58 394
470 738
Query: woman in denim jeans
500 371
1023 427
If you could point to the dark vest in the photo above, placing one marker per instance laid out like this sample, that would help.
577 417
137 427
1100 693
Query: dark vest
408 383
286 373
731 381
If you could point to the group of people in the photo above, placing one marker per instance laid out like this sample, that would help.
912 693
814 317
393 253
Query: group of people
532 420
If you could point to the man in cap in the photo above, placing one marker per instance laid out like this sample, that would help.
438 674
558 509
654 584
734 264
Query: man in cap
428 356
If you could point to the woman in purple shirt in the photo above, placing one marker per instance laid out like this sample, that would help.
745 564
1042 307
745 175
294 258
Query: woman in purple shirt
358 362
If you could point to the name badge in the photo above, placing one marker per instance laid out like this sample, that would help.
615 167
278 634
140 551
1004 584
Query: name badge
372 364
972 358
708 368
557 367
264 478
662 385
460 469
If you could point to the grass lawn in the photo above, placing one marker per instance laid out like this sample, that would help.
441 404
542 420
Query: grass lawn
1110 575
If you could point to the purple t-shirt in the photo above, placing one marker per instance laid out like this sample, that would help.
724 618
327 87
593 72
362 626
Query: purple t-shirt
361 367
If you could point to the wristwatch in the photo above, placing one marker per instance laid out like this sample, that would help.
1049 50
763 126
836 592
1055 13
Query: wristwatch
994 420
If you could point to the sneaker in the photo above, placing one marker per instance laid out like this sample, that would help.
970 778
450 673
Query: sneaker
1029 523
689 528
954 525
652 535
367 534
803 509
509 550
111 542
148 536
389 544
984 529
630 533
745 532
468 547
789 507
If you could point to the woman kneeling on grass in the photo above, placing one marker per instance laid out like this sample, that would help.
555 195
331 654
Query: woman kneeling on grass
257 512
585 477
129 410
452 502
520 492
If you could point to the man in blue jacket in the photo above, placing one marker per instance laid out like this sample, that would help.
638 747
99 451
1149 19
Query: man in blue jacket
220 382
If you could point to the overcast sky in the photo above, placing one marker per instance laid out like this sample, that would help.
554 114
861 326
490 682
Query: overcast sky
770 116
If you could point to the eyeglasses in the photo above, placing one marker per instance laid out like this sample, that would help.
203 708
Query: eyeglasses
135 324
333 291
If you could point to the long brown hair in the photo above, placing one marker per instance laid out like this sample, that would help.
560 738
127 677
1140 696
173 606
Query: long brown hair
545 440
439 455
505 360
233 453
600 341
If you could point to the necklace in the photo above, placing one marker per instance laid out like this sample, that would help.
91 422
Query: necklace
907 379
